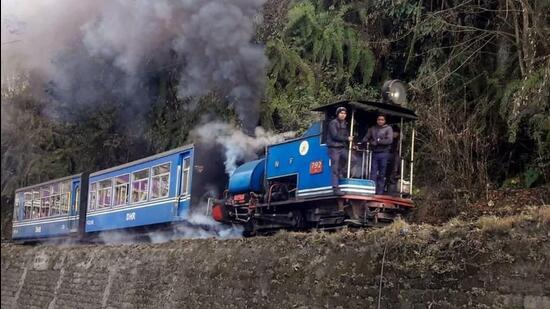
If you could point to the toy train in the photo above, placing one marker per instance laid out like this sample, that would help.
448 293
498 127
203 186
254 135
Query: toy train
147 194
288 188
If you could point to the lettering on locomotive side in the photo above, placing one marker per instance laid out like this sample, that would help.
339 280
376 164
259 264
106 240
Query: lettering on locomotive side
89 222
38 229
130 216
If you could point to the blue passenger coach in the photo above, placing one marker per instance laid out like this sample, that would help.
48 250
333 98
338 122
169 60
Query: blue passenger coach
160 189
48 210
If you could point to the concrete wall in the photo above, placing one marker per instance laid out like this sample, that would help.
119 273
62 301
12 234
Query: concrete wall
459 265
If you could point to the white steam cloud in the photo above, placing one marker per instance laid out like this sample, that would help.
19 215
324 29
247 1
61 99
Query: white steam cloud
237 145
197 226
85 48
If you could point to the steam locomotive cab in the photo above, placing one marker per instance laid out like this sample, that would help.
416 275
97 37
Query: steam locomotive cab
291 187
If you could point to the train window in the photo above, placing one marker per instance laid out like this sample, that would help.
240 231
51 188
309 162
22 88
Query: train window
55 201
185 176
27 211
160 181
122 184
65 197
36 201
44 206
92 201
140 186
104 193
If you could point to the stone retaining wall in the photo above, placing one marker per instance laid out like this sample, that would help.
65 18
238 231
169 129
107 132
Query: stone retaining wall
460 265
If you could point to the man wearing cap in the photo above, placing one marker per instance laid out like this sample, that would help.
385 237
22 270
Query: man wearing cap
379 138
337 142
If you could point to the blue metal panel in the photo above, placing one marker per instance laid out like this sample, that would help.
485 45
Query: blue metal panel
314 129
134 216
248 177
295 158
44 228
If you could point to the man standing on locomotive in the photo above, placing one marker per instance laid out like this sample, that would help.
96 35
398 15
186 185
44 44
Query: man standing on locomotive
379 138
337 142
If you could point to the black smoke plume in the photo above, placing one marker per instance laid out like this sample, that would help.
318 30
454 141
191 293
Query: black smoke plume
94 51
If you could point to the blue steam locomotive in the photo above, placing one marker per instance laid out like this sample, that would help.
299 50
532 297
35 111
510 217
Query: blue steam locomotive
289 187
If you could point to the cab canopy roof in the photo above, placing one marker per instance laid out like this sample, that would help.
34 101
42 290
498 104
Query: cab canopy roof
371 108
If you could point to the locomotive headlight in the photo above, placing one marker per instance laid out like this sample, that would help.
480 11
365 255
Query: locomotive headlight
395 92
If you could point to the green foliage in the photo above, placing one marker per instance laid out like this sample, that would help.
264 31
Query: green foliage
527 100
325 38
318 57
288 70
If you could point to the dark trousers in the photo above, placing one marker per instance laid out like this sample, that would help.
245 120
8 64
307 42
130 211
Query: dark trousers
393 173
378 169
338 161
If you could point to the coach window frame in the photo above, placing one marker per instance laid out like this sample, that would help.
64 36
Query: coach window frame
160 177
36 200
45 201
148 178
92 198
108 189
65 197
55 200
185 175
117 186
28 204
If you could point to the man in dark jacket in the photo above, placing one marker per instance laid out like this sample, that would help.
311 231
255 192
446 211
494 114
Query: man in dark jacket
379 139
338 142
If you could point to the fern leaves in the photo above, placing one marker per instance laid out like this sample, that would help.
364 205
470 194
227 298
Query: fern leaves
323 38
